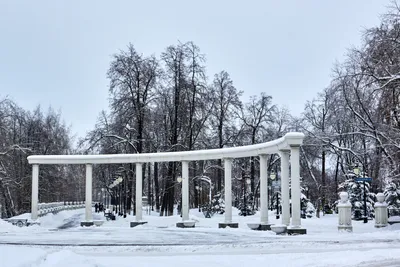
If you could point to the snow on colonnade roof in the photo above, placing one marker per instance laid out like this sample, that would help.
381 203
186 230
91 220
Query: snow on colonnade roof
283 143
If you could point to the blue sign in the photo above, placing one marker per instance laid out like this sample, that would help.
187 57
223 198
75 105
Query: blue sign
363 179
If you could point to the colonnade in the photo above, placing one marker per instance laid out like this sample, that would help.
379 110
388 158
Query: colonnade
287 147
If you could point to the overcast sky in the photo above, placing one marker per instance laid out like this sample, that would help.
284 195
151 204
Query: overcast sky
57 52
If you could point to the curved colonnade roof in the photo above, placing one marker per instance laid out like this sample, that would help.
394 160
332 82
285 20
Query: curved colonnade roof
283 143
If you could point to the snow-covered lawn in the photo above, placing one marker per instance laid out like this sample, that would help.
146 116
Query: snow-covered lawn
160 243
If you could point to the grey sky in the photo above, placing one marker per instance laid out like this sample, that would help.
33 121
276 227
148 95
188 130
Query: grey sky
57 52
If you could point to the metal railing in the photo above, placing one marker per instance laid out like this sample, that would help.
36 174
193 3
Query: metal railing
393 212
55 207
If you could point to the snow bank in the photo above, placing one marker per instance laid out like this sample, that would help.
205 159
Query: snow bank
63 258
4 226
66 258
51 220
18 256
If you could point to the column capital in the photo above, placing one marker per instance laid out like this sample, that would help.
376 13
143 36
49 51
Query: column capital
284 152
294 138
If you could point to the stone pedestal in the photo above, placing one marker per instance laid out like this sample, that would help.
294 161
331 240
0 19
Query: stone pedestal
344 208
259 226
134 224
265 227
186 224
98 222
86 224
230 225
279 229
381 213
296 231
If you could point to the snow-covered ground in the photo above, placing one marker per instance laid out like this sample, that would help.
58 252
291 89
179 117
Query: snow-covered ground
60 241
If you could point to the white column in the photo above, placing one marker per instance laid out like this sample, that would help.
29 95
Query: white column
228 190
295 184
185 191
285 202
139 192
88 193
35 191
264 189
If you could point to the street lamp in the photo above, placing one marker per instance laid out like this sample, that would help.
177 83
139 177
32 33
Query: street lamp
198 196
119 181
246 182
179 180
272 176
306 189
356 171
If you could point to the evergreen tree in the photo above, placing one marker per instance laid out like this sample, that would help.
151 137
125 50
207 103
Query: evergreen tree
218 204
306 206
356 197
245 205
392 195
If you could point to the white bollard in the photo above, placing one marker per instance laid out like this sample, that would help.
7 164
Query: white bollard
381 214
344 208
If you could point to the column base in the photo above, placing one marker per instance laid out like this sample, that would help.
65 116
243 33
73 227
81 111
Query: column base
296 231
134 224
380 225
342 228
279 229
87 224
98 222
230 225
259 226
186 224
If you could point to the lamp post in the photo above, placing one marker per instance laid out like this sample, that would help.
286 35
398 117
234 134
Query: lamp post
306 188
119 181
246 182
357 172
179 180
207 180
102 196
201 195
272 176
125 198
117 194
198 196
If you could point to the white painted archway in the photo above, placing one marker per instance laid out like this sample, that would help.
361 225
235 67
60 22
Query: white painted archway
287 147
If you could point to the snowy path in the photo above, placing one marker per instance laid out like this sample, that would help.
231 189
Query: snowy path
232 257
60 241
